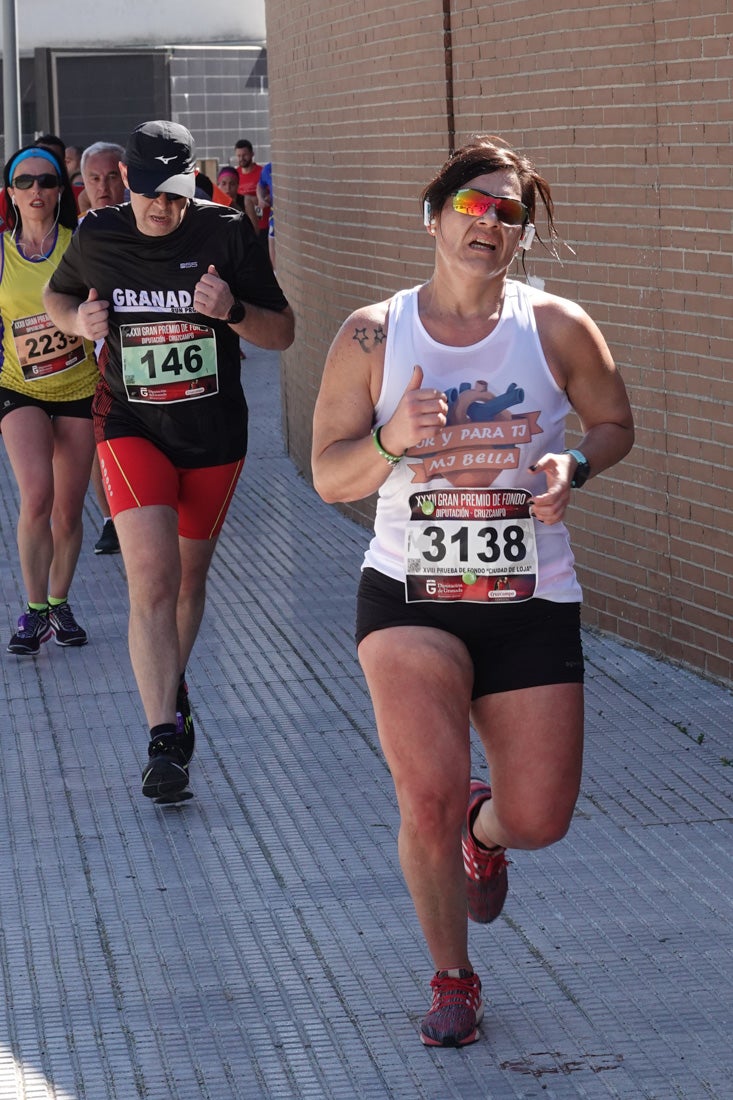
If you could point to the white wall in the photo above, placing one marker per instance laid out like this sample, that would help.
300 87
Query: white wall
132 22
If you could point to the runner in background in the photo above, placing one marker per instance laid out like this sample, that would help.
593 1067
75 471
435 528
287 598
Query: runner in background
228 181
103 186
46 384
265 200
170 283
249 172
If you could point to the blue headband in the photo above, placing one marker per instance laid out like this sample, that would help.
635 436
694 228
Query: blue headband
35 152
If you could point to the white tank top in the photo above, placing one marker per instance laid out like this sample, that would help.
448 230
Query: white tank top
506 411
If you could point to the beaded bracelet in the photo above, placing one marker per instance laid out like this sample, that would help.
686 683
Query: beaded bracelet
392 459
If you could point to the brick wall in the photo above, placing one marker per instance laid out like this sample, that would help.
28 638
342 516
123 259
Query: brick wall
626 108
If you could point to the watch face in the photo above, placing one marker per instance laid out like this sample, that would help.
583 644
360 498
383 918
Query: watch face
581 475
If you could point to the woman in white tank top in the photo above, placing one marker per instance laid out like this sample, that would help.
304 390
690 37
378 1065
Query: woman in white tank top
450 400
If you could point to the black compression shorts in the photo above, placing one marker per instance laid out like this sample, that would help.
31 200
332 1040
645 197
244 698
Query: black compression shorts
14 399
529 644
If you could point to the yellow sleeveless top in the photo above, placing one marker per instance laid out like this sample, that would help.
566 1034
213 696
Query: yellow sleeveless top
37 359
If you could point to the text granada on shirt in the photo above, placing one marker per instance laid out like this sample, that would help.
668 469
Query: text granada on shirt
152 301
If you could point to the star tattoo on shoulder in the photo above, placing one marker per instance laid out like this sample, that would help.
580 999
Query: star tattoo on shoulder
367 342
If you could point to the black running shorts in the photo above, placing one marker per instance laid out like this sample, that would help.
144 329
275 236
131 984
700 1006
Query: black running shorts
14 399
528 644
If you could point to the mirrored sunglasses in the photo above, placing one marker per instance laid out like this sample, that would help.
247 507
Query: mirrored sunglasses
476 203
46 180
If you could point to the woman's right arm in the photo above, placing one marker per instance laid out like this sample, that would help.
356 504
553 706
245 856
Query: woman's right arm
346 465
345 462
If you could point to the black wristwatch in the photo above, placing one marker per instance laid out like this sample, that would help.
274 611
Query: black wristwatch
582 471
236 313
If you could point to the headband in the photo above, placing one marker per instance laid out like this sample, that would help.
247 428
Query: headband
35 152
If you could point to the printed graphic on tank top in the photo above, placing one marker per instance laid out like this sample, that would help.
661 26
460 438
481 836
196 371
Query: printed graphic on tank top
453 518
477 545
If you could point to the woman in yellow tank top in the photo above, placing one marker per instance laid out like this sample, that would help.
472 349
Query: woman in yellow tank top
47 381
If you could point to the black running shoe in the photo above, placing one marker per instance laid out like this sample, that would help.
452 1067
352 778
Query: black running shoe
33 629
166 772
66 629
107 543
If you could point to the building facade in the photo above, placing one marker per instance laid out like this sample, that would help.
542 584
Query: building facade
105 68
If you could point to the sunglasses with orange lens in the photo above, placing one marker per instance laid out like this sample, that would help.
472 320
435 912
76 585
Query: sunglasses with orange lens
477 203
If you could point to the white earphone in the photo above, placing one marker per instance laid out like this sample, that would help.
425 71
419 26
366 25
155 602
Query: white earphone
528 234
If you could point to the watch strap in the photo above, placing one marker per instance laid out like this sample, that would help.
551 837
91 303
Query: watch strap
237 312
582 471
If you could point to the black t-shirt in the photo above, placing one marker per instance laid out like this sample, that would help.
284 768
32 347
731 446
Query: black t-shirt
169 373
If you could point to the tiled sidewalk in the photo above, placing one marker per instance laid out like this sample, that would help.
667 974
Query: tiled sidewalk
259 943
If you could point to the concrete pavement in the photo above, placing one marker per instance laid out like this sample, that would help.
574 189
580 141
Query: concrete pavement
258 943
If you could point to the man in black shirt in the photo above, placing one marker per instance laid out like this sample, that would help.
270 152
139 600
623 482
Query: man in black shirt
171 283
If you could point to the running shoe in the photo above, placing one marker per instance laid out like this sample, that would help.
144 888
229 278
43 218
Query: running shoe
456 1011
66 629
33 629
184 721
487 881
166 772
107 543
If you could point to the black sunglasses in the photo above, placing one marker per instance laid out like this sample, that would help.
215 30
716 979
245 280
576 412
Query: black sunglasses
46 180
157 194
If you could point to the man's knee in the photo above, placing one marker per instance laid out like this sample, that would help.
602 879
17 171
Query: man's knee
151 590
430 813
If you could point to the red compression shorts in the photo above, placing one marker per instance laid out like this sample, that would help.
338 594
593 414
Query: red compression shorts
136 474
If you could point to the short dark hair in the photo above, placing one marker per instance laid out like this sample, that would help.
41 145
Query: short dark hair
244 144
50 139
485 153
